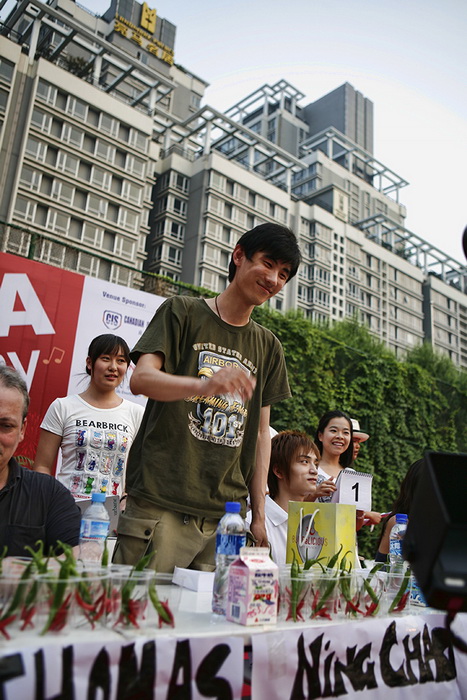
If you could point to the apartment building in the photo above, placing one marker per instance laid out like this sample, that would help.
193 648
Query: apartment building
79 132
106 147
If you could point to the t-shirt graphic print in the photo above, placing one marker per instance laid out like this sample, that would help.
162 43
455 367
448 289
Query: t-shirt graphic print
218 419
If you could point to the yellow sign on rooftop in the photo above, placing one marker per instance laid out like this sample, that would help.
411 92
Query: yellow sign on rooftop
148 18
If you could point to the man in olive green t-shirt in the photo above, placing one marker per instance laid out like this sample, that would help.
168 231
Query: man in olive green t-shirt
211 375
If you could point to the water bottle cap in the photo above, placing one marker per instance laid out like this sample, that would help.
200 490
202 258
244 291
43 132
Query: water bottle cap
401 518
98 498
232 507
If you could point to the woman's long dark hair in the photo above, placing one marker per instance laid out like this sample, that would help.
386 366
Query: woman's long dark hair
346 458
403 502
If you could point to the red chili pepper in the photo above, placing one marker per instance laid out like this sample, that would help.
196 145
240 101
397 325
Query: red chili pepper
4 624
82 603
402 603
297 609
168 614
322 612
370 609
59 621
90 610
26 616
133 610
137 607
164 613
102 605
354 608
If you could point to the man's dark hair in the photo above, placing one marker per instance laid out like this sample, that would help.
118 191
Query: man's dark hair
278 242
11 379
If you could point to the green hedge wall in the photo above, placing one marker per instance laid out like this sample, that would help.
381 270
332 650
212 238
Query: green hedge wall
406 406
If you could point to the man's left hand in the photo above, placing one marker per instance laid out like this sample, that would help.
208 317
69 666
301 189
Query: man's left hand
258 530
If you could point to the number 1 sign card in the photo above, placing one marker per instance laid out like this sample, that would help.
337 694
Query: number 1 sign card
353 488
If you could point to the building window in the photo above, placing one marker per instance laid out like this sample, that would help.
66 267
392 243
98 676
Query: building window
131 192
56 221
31 179
41 120
72 135
36 149
195 100
77 108
104 151
136 166
25 209
138 140
180 182
161 205
174 255
128 219
101 178
62 192
177 230
47 92
108 124
127 248
97 206
108 241
217 180
179 206
91 234
75 229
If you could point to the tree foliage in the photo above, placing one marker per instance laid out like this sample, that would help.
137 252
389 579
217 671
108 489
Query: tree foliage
407 406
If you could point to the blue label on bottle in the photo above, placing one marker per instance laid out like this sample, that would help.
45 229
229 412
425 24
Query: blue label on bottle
395 548
416 595
94 529
229 545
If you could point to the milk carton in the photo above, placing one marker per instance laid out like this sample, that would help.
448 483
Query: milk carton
253 588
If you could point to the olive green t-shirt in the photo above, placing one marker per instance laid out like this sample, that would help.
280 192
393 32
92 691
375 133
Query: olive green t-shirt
192 456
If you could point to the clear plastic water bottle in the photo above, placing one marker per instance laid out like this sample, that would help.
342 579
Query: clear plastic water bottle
396 560
95 524
230 538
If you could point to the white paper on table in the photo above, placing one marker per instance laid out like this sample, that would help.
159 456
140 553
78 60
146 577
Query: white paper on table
194 580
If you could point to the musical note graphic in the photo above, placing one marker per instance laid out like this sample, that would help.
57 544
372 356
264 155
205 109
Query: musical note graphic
59 356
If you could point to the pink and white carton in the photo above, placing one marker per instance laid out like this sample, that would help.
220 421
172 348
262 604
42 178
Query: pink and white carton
253 588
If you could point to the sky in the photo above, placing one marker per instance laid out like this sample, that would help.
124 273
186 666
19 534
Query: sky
409 57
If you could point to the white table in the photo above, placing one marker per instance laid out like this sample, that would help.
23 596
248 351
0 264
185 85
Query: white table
204 649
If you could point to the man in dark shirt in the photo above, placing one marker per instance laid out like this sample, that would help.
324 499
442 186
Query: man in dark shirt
33 506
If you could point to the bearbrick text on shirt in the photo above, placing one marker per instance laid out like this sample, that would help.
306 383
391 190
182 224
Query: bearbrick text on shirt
102 425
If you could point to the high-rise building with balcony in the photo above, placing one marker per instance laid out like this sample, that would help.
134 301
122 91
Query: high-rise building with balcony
110 160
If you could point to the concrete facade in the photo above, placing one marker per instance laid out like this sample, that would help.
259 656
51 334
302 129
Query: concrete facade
106 148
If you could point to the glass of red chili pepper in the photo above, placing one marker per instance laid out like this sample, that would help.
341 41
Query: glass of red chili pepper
396 595
361 594
294 594
130 599
325 595
17 607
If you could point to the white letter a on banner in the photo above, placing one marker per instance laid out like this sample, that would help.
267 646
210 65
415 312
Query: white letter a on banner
33 313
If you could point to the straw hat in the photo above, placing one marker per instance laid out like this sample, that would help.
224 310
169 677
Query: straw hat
357 433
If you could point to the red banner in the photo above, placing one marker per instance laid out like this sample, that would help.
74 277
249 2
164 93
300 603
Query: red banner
39 313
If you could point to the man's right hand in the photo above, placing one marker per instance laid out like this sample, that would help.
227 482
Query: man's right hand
229 380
